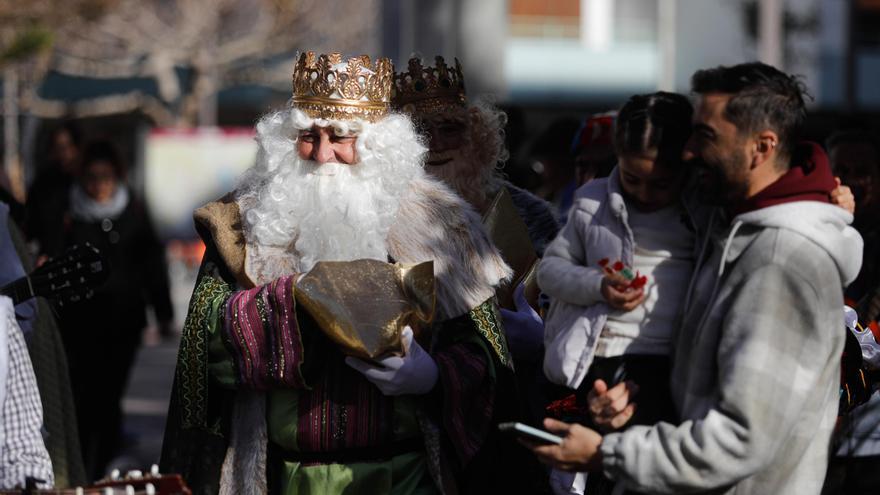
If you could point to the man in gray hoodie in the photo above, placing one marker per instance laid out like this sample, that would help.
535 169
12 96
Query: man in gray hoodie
756 360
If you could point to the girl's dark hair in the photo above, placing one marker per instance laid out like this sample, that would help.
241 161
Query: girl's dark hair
658 121
104 150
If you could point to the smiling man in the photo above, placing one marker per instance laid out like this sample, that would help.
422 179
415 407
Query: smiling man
756 361
264 400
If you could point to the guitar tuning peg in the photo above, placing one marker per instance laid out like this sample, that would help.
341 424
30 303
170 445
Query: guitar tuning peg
150 489
80 491
114 475
135 474
108 491
129 490
154 470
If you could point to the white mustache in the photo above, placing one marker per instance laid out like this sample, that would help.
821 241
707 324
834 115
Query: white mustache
328 169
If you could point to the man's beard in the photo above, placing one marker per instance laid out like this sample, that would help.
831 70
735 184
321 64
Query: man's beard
329 212
722 182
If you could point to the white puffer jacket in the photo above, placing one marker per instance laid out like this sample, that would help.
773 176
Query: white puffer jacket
597 228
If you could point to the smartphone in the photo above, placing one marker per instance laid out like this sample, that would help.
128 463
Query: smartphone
530 433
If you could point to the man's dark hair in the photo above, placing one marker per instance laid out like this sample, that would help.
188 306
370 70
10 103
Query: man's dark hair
763 98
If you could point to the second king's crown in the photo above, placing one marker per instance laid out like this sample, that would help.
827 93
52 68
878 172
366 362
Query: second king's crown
426 89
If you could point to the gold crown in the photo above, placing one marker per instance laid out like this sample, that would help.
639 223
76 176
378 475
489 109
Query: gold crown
358 91
426 90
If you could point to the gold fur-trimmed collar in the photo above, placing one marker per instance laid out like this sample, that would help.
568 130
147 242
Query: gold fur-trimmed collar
218 223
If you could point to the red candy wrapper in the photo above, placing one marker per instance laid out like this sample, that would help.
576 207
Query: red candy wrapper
636 280
565 408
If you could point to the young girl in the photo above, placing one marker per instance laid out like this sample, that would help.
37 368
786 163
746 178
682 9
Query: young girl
618 272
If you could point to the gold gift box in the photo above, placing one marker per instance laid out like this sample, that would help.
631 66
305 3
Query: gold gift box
363 305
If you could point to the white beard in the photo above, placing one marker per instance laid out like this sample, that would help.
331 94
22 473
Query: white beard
328 212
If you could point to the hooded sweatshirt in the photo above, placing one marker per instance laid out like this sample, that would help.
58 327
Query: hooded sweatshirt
756 363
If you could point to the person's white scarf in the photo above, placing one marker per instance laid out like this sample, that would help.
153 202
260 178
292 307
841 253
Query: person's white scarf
83 207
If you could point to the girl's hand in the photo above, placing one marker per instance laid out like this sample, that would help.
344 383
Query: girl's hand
610 409
619 298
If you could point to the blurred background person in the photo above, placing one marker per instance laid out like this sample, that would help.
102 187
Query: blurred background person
593 148
551 158
47 198
855 159
102 334
37 323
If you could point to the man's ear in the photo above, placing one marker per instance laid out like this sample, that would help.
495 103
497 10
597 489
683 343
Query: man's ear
766 143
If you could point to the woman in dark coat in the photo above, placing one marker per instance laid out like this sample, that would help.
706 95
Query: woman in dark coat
102 333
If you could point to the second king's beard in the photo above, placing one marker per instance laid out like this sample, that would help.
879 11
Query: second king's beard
469 176
329 212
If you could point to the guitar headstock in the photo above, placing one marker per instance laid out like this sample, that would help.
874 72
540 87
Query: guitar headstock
132 483
136 483
72 276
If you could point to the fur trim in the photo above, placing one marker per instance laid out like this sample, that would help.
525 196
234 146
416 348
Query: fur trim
244 469
433 223
219 223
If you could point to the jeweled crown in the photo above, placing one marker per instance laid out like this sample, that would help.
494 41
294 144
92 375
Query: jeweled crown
426 90
325 89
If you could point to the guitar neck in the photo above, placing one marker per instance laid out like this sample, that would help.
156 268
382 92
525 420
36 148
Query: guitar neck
19 290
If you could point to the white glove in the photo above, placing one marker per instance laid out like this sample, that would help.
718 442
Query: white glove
414 373
870 347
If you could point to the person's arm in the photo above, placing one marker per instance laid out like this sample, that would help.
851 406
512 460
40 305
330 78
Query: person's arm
777 349
22 454
563 272
253 336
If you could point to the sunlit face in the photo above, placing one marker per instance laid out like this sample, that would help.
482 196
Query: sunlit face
718 152
99 180
648 183
322 145
446 137
857 166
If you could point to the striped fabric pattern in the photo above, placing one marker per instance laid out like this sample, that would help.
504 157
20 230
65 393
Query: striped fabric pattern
263 334
343 410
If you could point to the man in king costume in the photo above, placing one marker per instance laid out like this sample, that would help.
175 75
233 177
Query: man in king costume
466 148
266 399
